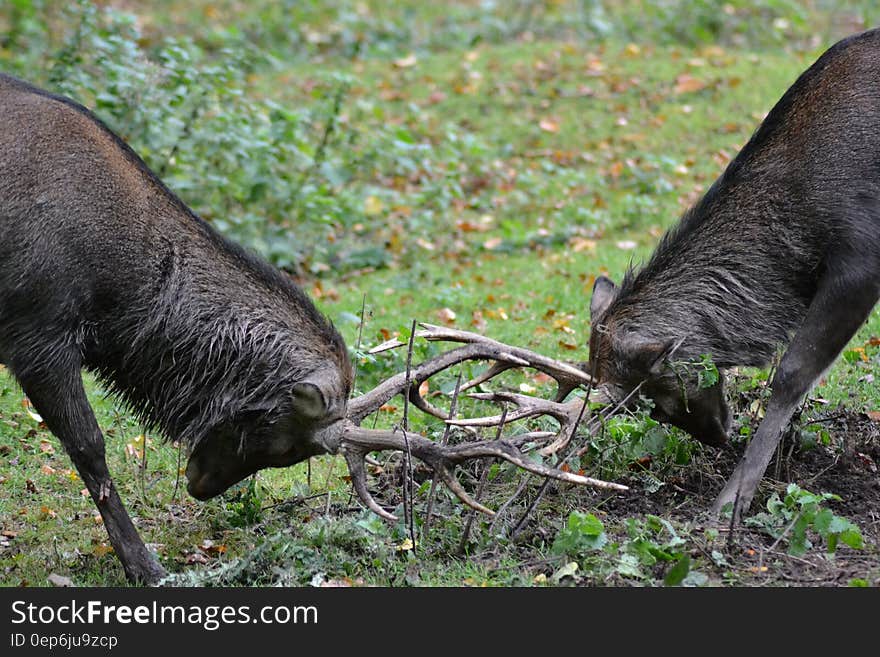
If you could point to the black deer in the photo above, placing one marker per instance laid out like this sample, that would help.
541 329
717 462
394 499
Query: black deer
103 268
784 249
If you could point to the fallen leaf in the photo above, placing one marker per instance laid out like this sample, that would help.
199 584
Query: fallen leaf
446 315
477 320
102 549
874 415
548 125
373 206
492 243
47 469
687 84
46 447
626 245
579 244
26 403
406 62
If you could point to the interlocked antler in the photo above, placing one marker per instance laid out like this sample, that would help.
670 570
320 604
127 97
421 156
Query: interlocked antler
356 442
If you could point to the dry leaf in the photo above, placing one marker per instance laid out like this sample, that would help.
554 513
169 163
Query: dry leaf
406 62
446 315
548 125
686 83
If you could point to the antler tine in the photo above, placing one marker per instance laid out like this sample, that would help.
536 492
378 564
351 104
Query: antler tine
355 459
567 376
356 442
527 406
494 370
475 347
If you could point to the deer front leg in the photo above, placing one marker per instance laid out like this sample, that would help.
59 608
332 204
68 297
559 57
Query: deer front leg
59 397
840 306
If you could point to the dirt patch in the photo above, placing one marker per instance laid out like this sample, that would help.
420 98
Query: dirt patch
847 467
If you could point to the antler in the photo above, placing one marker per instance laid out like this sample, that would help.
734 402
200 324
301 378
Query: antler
356 442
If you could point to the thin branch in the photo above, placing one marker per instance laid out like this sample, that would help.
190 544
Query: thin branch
484 475
444 440
408 476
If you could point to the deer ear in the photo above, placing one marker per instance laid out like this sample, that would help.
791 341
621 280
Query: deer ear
604 292
308 400
645 356
314 396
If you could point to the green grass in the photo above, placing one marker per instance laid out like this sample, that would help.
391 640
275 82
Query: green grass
486 164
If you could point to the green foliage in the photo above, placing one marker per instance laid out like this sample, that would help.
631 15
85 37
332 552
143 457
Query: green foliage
582 532
634 441
800 514
243 503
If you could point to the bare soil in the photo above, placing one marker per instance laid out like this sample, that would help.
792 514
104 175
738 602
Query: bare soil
848 469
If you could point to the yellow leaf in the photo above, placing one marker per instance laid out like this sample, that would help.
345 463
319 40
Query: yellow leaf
373 206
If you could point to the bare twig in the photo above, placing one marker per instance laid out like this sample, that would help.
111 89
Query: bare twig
484 475
408 475
444 440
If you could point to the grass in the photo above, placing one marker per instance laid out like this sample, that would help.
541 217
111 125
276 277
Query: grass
504 161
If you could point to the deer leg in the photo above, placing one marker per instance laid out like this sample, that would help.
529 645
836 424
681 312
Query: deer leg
60 398
840 306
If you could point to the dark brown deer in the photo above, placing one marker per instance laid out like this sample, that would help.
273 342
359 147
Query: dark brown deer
782 251
103 268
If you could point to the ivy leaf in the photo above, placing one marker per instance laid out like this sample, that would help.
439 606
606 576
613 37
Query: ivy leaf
678 572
